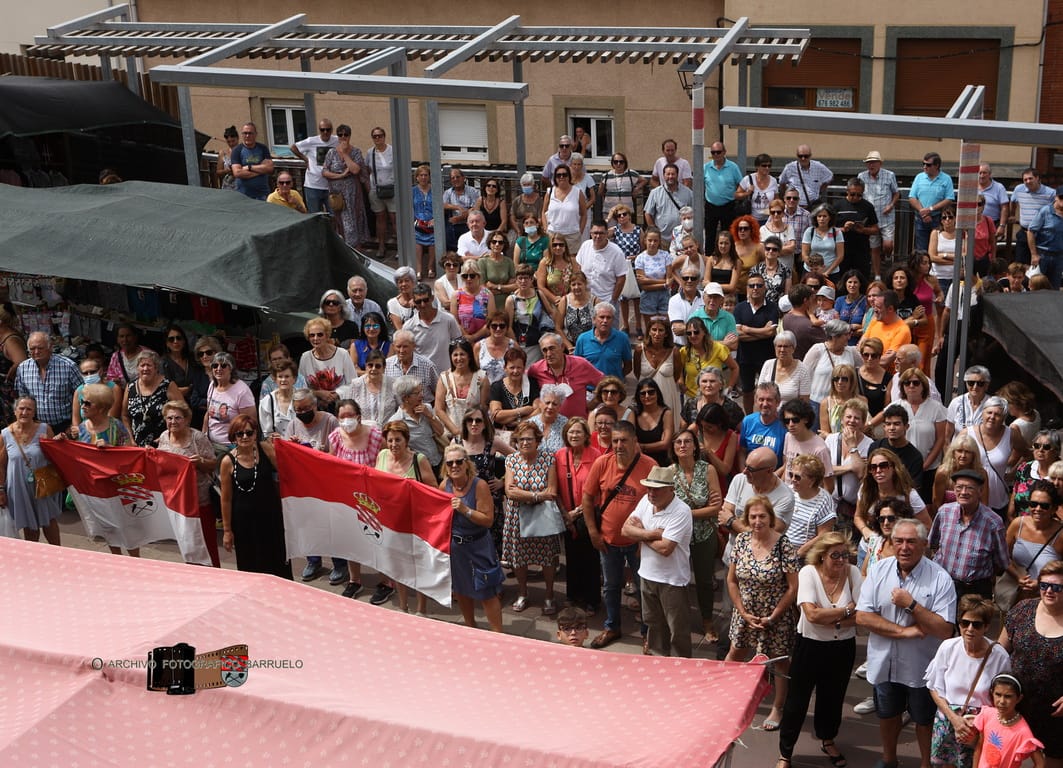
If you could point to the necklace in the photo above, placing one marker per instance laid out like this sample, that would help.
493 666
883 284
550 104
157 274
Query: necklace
1009 721
254 475
832 592
459 491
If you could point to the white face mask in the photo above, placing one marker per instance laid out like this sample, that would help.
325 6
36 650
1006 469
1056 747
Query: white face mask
688 224
350 425
531 229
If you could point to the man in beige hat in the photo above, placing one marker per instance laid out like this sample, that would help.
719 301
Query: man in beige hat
662 524
881 190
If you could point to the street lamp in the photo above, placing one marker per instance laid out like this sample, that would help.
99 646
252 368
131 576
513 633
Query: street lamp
685 72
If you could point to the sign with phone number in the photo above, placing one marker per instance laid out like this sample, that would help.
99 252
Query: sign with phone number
834 98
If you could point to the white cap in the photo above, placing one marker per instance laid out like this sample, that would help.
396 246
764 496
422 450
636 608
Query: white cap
713 289
826 292
784 304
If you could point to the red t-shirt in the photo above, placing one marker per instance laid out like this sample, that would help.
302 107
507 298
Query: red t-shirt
604 476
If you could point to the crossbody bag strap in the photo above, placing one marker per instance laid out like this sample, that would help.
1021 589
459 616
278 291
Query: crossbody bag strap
568 474
838 459
801 177
1034 559
372 159
600 511
977 676
678 207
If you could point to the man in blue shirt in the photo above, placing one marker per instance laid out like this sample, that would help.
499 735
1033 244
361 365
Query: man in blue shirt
1045 238
252 164
764 429
1027 199
931 191
721 180
605 347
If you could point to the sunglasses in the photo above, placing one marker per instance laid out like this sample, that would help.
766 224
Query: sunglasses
245 433
558 245
343 135
972 623
498 326
1042 446
374 365
371 327
1039 505
315 335
753 470
839 555
205 353
470 276
498 242
645 392
715 152
283 183
610 391
769 249
804 157
776 213
454 462
751 286
618 162
376 135
562 176
793 199
87 403
947 217
564 146
490 186
324 130
175 338
1047 586
331 303
745 229
888 519
796 478
421 302
975 383
870 355
474 420
215 366
880 466
837 379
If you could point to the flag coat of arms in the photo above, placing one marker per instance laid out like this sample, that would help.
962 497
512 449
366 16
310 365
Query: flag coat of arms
132 496
395 525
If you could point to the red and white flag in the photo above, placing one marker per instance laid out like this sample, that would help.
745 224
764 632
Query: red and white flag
397 526
132 496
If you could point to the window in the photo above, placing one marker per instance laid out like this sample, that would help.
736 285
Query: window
463 132
932 73
287 125
828 78
599 126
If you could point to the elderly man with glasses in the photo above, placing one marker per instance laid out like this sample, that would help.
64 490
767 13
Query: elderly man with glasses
561 157
881 190
722 177
286 195
432 328
856 217
252 164
808 177
312 151
931 192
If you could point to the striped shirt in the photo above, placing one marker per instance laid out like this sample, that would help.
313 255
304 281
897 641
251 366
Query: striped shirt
54 392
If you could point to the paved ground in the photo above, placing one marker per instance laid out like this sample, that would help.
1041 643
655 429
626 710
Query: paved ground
756 749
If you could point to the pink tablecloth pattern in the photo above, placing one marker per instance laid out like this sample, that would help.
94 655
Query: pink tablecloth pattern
374 688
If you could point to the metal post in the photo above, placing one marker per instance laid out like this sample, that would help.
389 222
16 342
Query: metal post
188 135
435 159
697 153
105 68
132 74
309 106
400 132
743 100
518 120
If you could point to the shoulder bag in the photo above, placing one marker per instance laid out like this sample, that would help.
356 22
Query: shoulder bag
46 481
744 206
383 191
335 202
541 519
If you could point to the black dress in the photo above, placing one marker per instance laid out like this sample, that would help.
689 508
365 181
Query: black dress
258 525
654 436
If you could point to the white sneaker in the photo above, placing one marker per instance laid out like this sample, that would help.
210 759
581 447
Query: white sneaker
861 671
865 707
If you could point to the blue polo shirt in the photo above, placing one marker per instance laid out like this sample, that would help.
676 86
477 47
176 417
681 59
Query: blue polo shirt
931 191
1047 228
757 434
721 183
608 356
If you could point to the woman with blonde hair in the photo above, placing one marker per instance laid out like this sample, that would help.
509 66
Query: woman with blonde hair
886 478
842 390
961 453
555 270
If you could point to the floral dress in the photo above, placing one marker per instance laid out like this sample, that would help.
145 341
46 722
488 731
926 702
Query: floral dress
762 584
773 284
472 310
517 551
577 320
422 211
1037 661
1025 475
145 413
355 225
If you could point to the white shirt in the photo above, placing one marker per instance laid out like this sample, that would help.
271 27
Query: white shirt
468 244
680 309
685 171
433 338
922 426
315 150
952 671
385 166
677 524
741 490
810 590
602 268
846 486
904 660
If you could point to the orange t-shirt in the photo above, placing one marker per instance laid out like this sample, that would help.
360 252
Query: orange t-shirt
604 476
892 336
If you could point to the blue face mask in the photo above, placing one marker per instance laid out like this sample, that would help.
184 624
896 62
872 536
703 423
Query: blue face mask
92 378
527 190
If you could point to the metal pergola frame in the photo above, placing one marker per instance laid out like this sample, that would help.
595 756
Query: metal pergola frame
109 33
963 121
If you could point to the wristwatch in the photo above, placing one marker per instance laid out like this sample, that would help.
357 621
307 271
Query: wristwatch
911 608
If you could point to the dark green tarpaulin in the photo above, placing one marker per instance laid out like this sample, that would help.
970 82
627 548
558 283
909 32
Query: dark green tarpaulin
1027 325
210 242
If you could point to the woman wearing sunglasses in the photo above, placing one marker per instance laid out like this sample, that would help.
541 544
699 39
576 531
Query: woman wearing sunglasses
333 307
374 338
227 398
472 303
203 354
177 363
324 366
886 478
959 680
1034 539
565 209
250 502
493 206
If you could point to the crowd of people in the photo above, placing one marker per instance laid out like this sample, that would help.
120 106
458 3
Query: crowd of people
786 416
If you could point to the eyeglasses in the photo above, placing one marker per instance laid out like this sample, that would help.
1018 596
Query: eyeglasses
376 135
498 326
283 183
206 353
371 327
451 265
325 130
564 146
87 403
645 392
422 302
1042 446
913 383
803 157
490 186
947 217
175 338
776 213
975 383
1039 504
972 623
566 628
837 379
454 462
247 133
796 478
474 420
793 199
1048 586
498 242
470 276
374 365
315 335
524 440
887 519
216 366
331 303
610 392
753 470
751 286
715 152
870 355
768 249
690 278
791 419
839 555
617 162
928 165
622 213
880 466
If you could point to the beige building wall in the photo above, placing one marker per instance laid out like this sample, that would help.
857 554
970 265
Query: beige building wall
1025 16
23 21
648 101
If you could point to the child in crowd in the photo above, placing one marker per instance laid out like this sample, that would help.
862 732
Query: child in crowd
825 306
1005 740
572 627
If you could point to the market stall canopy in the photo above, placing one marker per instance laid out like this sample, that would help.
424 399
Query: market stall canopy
329 681
31 106
1027 327
214 243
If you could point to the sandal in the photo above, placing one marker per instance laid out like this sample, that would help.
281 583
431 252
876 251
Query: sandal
837 760
549 609
520 604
